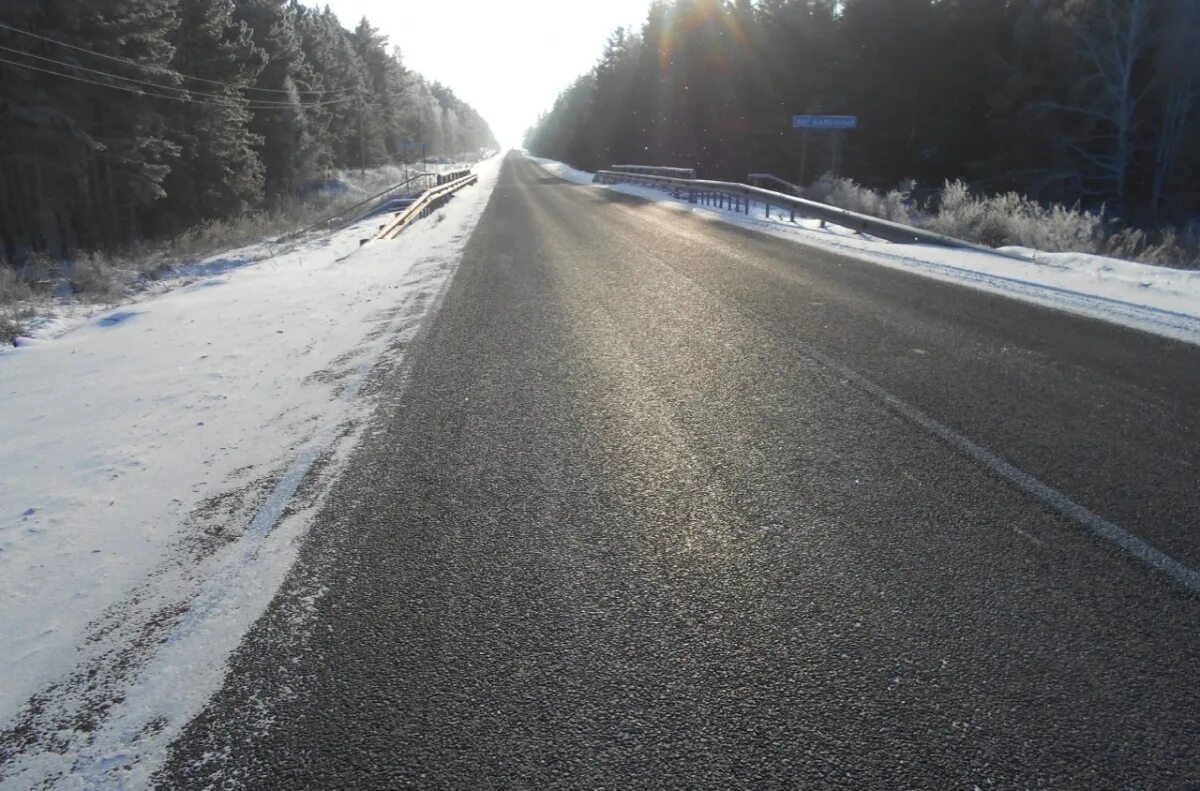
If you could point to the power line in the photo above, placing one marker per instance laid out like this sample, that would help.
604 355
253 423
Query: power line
177 89
135 64
137 91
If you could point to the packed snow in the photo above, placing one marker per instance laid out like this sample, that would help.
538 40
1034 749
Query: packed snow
1150 298
160 463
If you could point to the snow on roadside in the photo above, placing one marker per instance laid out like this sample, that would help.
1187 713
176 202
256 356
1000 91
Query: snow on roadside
149 460
1151 298
567 172
59 314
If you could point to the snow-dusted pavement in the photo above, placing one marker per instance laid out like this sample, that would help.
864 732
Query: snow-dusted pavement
1150 298
159 462
670 503
610 369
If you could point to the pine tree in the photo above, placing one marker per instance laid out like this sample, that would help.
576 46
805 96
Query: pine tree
133 119
90 178
284 152
219 173
377 106
1067 100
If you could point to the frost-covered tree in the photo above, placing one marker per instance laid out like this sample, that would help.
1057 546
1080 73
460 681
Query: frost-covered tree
1067 100
134 119
1177 93
218 173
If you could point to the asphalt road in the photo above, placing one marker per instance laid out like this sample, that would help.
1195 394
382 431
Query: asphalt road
662 503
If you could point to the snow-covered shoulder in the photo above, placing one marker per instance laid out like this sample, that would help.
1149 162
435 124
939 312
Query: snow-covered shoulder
563 171
1149 298
150 457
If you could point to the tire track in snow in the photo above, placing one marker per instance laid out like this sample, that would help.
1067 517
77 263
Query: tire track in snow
183 666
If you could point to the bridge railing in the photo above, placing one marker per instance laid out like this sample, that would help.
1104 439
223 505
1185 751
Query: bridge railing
656 170
452 175
427 202
742 197
789 187
351 214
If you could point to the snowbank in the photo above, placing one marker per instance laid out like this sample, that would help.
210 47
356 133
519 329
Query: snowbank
150 459
1149 298
567 172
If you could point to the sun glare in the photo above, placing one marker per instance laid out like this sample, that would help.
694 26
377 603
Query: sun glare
509 60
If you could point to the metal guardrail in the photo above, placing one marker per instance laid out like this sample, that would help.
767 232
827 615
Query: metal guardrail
429 200
452 175
740 197
794 189
353 213
656 170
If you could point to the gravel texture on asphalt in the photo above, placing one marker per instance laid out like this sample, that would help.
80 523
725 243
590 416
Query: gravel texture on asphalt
619 526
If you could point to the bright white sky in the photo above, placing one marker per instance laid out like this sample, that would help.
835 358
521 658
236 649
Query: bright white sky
508 59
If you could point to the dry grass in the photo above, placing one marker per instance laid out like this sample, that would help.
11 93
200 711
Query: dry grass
15 294
103 277
13 287
12 323
1010 219
852 196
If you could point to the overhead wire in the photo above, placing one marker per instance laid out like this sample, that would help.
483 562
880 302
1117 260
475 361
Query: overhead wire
187 92
135 64
249 104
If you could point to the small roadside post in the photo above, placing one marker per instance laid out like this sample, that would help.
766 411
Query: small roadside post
837 123
423 147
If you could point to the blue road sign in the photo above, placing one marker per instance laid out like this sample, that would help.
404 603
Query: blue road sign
824 121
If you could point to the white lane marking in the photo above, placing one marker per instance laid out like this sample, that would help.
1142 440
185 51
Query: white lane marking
1148 554
1155 558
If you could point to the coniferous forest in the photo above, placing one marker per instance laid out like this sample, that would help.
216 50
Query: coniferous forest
128 120
1089 102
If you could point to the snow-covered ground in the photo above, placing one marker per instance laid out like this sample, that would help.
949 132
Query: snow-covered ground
55 314
1151 298
152 458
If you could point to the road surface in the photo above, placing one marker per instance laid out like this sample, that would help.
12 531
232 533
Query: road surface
665 503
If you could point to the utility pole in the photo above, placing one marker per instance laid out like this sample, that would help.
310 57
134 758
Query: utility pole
837 124
362 141
813 107
803 157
